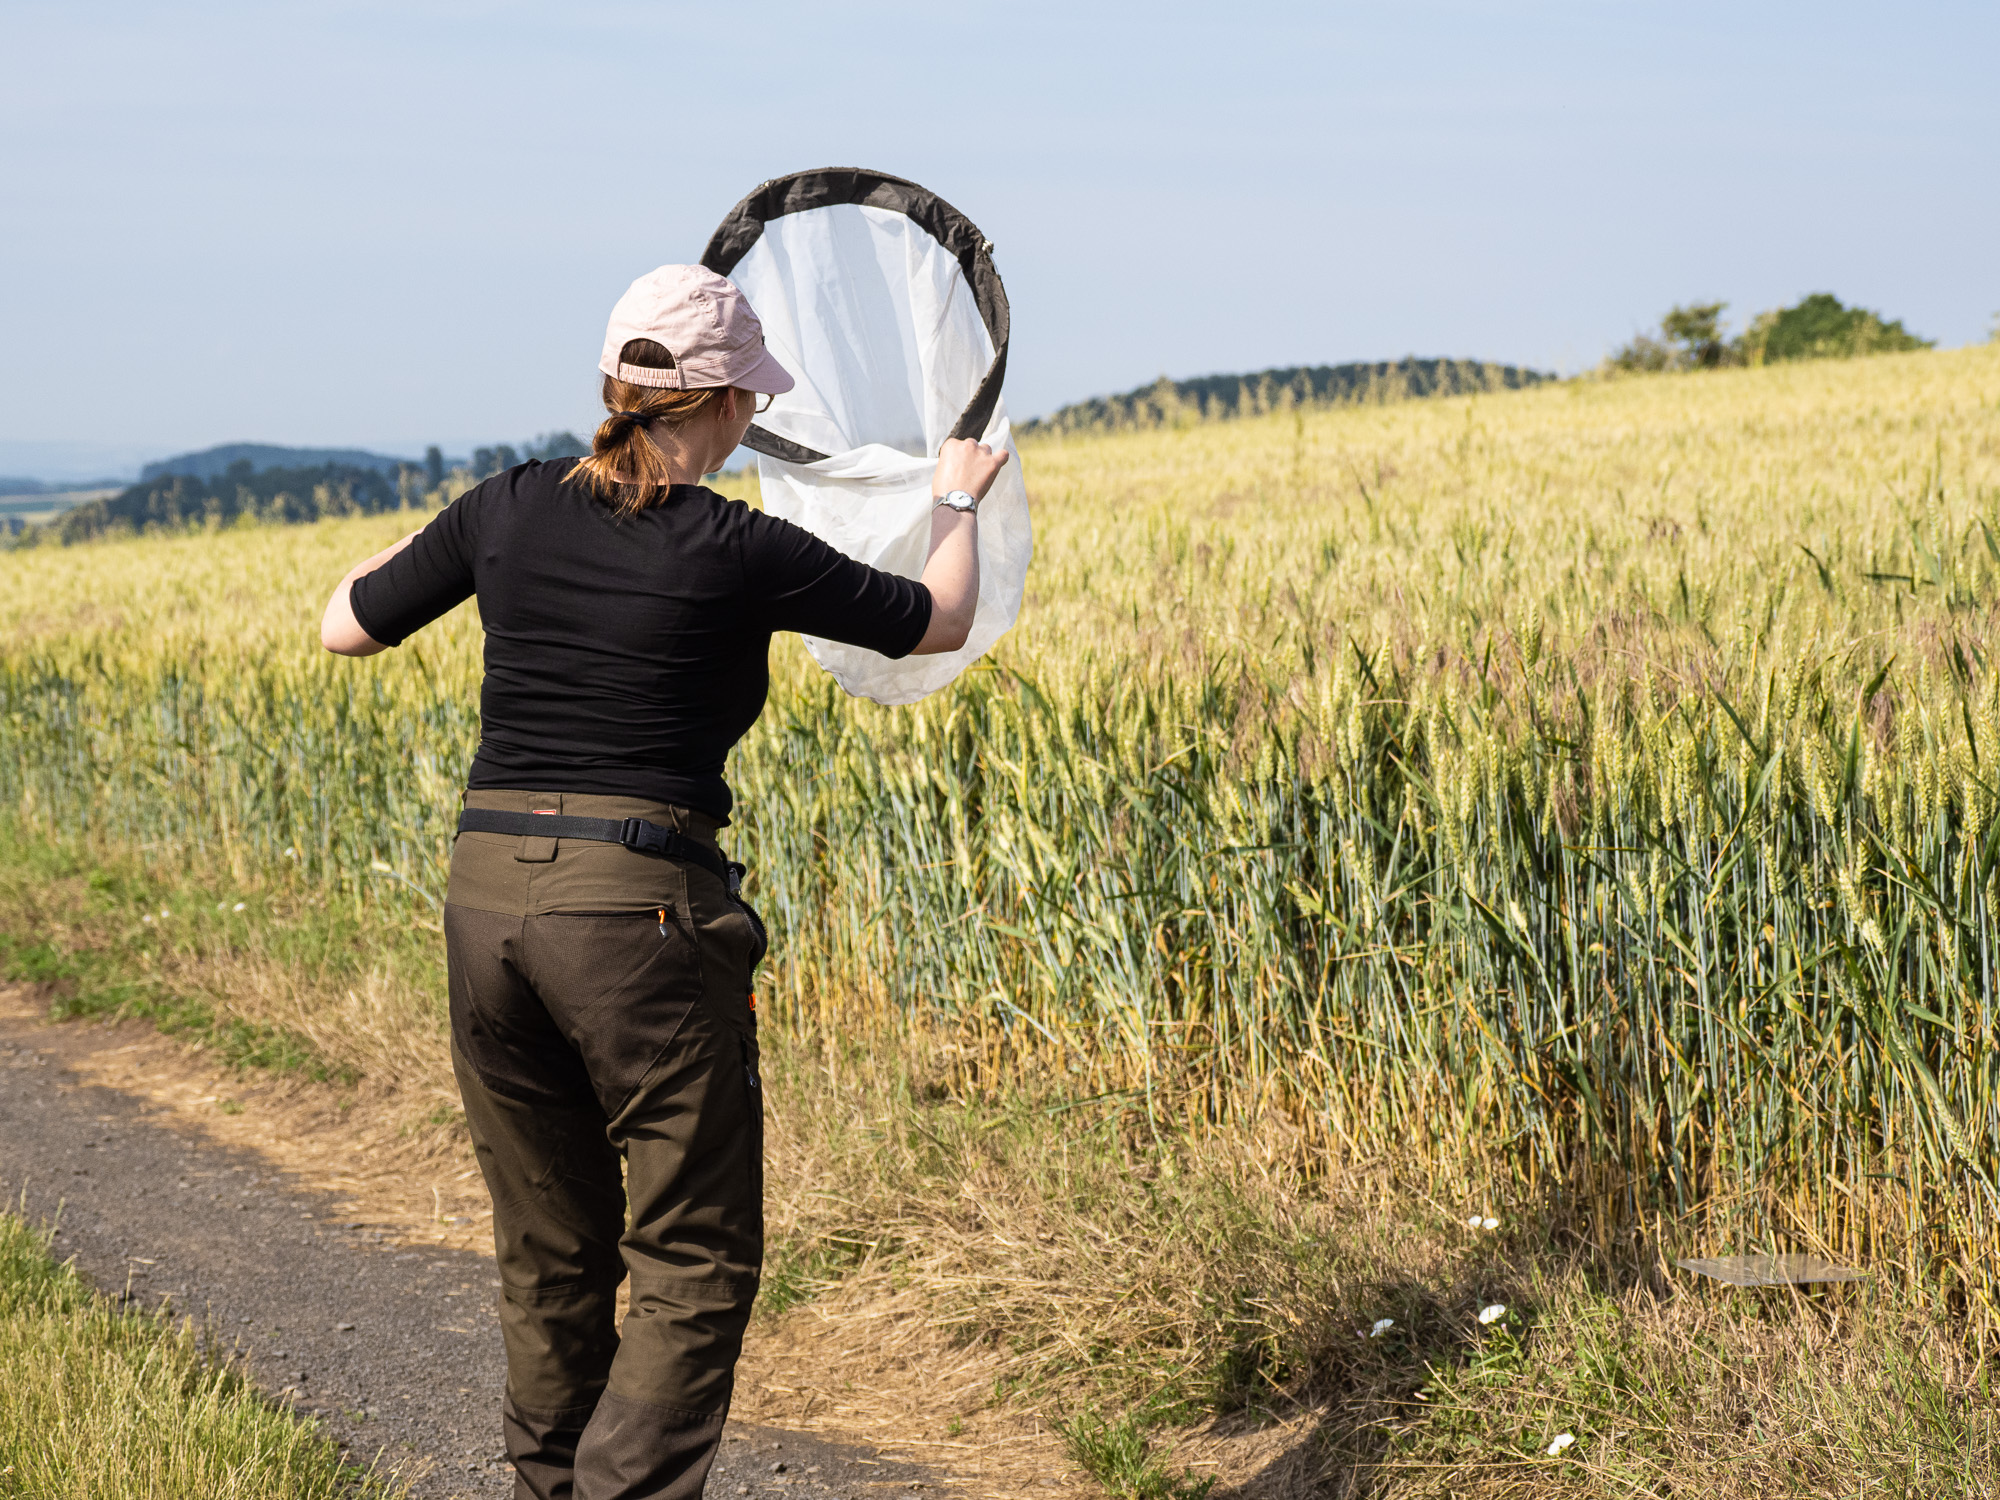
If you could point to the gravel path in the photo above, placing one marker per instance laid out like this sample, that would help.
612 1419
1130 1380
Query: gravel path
397 1350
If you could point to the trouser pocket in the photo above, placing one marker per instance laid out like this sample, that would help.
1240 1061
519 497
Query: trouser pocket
733 889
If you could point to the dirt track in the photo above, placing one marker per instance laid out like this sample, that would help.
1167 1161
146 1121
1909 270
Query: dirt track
396 1348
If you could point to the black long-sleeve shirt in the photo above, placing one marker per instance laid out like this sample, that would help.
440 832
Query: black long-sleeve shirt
626 655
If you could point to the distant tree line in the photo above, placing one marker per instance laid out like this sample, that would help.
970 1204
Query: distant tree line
486 462
1818 327
175 501
1219 397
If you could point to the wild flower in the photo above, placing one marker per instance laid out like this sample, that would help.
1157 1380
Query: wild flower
1382 1326
1493 1313
1563 1440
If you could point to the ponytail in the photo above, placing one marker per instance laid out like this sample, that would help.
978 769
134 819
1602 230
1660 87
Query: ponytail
625 467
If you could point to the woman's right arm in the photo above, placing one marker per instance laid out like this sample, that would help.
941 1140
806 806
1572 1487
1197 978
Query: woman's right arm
339 631
951 572
403 588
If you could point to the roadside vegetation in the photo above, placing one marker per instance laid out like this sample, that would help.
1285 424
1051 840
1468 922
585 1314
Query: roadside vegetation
1570 807
97 1403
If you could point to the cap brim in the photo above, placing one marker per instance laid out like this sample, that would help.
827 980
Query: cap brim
767 377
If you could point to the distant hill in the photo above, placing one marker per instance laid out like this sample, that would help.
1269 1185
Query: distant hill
13 487
212 463
301 494
1215 397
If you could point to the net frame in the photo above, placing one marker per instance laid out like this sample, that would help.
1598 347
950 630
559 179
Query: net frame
828 187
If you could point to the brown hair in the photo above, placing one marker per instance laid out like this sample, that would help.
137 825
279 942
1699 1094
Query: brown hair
624 466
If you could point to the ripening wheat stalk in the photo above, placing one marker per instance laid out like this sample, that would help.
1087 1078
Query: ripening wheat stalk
1594 783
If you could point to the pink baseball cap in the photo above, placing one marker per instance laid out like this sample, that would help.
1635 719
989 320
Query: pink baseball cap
704 322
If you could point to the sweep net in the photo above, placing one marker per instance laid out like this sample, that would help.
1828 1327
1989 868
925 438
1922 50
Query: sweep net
882 301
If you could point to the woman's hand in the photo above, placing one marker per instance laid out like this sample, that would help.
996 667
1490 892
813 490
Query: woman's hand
951 572
965 465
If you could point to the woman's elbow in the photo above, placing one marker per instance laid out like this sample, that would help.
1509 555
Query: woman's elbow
943 636
341 633
949 630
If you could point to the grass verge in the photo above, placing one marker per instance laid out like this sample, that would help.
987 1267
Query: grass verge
99 1404
264 971
1193 1311
1223 1309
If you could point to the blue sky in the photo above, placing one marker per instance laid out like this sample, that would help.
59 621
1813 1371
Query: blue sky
390 224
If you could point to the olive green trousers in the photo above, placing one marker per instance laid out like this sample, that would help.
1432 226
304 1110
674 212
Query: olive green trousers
606 1051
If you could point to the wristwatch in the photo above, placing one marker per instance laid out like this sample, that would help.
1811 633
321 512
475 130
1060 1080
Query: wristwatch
958 500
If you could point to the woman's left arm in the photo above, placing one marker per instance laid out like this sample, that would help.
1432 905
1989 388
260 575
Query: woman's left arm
339 631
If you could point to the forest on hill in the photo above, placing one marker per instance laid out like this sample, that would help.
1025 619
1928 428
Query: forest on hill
214 463
1213 397
172 501
192 491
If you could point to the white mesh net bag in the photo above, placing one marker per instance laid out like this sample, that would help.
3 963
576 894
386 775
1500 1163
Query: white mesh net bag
882 301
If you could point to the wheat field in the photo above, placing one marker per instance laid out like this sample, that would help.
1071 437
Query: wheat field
1590 789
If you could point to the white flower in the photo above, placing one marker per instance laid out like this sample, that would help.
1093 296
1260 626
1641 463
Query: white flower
237 907
1382 1326
1473 1222
1494 1313
291 853
1489 1223
1563 1440
147 918
220 905
165 913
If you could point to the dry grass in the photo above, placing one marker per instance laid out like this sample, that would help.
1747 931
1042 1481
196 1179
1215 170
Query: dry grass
1221 1295
957 1281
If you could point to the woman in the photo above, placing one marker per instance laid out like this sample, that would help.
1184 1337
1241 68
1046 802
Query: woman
599 960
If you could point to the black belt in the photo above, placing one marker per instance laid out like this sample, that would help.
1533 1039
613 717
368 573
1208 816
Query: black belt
634 833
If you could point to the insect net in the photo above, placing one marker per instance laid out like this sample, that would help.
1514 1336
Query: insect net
882 301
